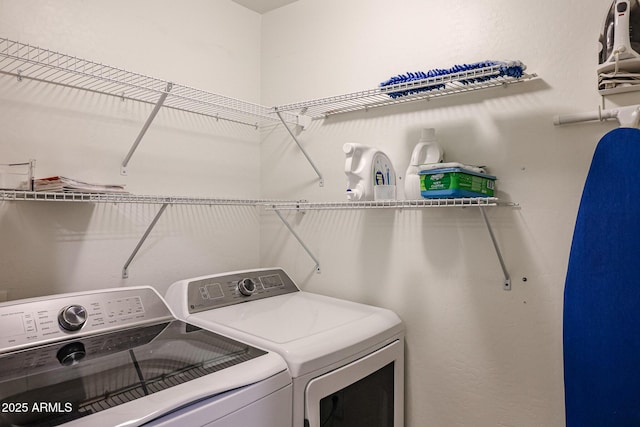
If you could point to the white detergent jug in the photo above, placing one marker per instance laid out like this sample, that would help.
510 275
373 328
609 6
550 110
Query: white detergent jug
365 168
426 150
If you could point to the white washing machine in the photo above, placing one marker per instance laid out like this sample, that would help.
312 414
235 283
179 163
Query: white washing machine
346 359
119 357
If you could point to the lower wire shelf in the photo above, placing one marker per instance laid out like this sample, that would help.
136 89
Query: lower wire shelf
472 202
269 204
54 196
392 204
163 201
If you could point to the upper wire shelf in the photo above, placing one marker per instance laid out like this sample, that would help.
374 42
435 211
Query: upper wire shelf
391 204
17 195
439 86
32 62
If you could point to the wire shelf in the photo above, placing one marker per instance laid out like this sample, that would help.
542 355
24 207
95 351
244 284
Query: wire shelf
32 62
391 204
16 195
439 86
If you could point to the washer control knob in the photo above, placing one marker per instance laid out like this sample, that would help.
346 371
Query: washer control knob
71 354
247 287
72 318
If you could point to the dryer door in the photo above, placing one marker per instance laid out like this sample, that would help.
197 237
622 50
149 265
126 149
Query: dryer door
366 393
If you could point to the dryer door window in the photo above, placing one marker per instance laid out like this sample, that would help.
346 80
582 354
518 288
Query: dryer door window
368 402
365 393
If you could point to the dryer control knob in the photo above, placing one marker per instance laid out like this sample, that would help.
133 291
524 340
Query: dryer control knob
72 318
247 287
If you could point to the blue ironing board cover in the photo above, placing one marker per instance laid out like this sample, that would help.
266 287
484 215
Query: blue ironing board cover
602 291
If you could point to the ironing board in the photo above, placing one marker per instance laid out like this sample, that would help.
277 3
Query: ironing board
602 291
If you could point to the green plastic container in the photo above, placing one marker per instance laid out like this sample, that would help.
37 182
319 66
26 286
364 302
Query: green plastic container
455 182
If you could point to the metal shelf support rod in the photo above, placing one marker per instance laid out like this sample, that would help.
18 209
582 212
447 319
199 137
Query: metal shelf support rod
125 269
313 165
507 278
143 131
305 247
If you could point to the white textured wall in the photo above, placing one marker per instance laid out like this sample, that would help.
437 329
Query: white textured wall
476 355
56 247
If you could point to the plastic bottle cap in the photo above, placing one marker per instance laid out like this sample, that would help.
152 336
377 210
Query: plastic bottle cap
428 134
348 148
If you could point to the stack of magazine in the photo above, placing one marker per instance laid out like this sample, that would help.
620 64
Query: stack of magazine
69 185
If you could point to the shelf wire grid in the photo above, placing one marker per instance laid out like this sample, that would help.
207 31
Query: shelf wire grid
17 195
391 204
32 62
441 86
269 204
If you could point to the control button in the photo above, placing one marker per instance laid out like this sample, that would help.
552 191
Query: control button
71 354
72 318
246 287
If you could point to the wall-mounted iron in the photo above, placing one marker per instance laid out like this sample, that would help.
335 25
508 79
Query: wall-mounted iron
619 55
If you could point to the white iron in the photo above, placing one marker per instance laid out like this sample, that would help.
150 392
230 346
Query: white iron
619 55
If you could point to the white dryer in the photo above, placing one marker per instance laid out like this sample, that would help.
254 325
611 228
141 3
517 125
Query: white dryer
346 359
118 357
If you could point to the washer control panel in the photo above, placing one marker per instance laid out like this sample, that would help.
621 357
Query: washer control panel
44 319
38 359
247 286
206 293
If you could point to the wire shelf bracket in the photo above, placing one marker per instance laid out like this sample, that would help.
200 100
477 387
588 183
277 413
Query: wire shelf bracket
299 239
302 149
507 279
125 269
143 131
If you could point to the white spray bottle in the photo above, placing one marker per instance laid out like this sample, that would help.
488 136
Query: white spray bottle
426 150
365 168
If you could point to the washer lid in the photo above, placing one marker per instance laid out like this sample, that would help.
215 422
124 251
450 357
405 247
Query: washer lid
310 331
291 317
